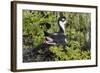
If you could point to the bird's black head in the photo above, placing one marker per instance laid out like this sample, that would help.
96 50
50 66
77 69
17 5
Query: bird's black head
62 18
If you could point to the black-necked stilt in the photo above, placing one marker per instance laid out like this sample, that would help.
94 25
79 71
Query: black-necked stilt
57 37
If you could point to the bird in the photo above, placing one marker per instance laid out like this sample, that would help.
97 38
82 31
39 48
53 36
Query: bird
57 37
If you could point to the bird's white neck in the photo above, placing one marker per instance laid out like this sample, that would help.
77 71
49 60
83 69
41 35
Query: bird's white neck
62 25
